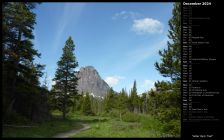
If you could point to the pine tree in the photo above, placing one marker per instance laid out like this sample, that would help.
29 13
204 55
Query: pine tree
109 100
86 106
18 51
165 102
163 86
122 102
65 77
79 101
134 98
144 103
20 73
171 57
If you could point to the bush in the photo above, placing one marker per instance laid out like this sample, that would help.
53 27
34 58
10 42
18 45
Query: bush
131 117
150 122
15 118
172 127
114 113
168 114
103 114
89 113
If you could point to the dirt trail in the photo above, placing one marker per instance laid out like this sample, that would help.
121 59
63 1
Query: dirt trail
72 132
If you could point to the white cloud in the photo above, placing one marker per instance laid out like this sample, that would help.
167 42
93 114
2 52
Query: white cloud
141 23
147 84
50 82
147 26
113 80
126 15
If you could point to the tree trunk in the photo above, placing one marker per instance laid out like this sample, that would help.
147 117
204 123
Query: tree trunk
14 76
63 111
135 109
63 115
10 107
139 108
63 108
65 96
74 104
15 63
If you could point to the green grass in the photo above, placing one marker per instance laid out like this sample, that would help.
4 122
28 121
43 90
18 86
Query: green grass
45 129
113 127
101 126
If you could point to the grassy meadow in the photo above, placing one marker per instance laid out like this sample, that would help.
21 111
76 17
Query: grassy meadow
107 125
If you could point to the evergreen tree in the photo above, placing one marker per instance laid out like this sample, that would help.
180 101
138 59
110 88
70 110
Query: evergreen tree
163 86
122 102
144 103
80 100
165 102
109 100
18 51
95 104
86 106
134 98
171 57
65 77
99 105
20 73
170 66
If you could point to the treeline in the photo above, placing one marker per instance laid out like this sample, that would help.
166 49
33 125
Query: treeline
164 96
163 103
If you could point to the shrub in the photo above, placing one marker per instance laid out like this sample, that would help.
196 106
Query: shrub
168 114
172 127
149 122
15 118
131 117
114 113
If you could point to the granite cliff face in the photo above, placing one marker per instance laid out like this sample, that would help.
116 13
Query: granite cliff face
90 81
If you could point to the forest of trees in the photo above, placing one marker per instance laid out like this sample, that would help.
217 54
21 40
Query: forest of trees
24 96
21 90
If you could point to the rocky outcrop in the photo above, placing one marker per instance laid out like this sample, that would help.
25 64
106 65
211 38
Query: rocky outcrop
90 81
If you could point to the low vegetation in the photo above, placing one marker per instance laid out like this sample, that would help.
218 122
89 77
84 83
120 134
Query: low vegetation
101 126
146 126
41 130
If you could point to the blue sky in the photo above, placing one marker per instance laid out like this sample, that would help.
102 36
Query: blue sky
121 40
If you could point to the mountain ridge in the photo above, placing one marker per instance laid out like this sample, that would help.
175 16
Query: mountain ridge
90 81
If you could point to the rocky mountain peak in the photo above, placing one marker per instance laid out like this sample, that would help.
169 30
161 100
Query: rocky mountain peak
90 81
